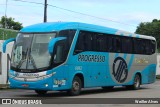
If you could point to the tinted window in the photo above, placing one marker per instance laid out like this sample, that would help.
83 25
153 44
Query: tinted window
91 41
99 42
127 45
69 34
84 42
144 46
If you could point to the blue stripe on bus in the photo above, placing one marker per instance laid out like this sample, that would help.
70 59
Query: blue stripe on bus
125 56
116 55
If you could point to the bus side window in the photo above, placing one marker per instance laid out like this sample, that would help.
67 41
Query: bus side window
153 46
101 43
117 44
84 42
127 45
137 46
110 43
147 47
80 44
87 41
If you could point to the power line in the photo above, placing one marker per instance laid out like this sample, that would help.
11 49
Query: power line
29 2
16 5
91 15
106 19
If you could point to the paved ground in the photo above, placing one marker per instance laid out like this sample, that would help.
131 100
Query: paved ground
146 91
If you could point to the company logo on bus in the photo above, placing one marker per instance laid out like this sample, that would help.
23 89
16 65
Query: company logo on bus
120 70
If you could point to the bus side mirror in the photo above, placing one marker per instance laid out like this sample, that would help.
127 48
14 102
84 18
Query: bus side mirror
53 42
6 42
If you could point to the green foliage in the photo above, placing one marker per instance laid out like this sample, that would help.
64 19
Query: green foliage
151 29
10 23
6 33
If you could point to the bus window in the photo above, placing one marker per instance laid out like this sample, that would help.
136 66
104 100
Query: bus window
137 46
110 41
101 43
148 47
127 45
80 44
59 53
69 34
84 42
117 44
153 46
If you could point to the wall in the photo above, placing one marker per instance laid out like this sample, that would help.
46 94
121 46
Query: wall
158 65
3 74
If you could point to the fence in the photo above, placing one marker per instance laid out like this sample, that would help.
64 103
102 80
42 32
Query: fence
7 33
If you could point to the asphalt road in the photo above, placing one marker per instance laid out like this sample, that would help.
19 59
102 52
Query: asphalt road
146 91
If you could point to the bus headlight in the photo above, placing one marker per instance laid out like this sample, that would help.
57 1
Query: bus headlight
46 85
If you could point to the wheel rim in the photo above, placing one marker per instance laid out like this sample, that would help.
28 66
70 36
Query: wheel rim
76 86
137 82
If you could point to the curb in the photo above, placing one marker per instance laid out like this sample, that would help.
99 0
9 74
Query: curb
4 86
158 77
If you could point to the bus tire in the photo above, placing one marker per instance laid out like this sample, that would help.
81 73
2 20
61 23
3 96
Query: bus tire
41 92
136 84
76 86
108 88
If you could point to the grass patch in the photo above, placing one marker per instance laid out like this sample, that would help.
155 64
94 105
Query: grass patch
7 33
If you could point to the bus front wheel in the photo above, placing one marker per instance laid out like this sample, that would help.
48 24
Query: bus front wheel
41 92
136 84
76 86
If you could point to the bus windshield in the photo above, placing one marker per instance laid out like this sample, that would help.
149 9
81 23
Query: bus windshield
31 51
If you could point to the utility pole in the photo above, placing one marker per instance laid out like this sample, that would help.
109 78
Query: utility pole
5 23
45 11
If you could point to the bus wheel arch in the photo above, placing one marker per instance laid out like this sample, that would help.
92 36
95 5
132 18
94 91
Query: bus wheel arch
80 75
77 84
140 75
137 81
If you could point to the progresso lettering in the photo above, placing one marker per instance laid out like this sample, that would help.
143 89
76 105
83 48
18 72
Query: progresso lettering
91 58
27 75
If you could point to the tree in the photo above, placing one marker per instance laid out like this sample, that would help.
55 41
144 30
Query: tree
10 23
151 29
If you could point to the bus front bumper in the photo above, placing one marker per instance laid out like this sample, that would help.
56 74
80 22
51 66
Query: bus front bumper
45 84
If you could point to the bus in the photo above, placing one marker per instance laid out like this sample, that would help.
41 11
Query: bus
69 56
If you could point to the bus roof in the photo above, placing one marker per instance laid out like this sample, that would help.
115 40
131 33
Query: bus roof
57 26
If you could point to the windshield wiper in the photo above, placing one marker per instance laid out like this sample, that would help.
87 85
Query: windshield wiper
21 61
34 64
30 58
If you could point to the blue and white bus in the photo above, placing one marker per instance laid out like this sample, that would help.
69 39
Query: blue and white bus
69 56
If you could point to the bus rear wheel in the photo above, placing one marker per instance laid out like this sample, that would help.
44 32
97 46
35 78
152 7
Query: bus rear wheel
136 84
76 86
41 92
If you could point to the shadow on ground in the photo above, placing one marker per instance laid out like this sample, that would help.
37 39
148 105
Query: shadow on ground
88 91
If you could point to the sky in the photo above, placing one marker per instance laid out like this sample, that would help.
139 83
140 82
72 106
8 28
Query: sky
120 14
